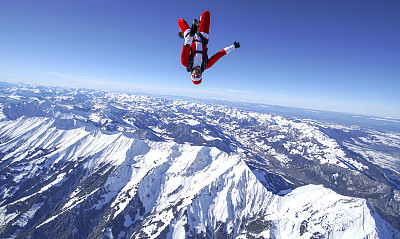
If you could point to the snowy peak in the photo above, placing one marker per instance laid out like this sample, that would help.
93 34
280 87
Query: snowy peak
92 164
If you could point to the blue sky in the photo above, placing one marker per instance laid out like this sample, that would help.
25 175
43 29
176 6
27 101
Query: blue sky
332 55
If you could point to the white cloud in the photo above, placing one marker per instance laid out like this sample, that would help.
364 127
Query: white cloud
232 90
75 77
239 91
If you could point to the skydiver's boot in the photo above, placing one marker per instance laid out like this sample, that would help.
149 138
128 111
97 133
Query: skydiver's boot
193 30
195 27
196 22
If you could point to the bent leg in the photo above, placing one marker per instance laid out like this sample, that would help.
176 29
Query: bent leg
205 23
183 26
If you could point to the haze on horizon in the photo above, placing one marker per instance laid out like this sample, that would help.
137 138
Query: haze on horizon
336 56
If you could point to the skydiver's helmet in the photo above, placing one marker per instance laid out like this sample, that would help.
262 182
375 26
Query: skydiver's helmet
196 75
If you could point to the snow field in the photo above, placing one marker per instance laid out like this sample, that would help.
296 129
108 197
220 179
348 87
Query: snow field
183 189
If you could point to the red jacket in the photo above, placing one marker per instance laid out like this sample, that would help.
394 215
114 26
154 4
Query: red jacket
197 46
198 58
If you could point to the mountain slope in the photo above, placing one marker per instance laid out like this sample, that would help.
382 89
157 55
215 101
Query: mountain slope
95 164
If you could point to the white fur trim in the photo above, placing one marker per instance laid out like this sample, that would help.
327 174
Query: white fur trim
188 40
186 33
204 34
196 79
229 49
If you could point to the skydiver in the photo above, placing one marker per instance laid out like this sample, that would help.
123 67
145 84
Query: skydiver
194 53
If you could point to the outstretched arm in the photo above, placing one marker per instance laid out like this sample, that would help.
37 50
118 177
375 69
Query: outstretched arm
221 53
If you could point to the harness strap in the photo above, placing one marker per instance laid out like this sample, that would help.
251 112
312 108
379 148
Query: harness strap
193 52
202 52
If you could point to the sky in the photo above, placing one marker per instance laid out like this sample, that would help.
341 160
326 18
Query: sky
335 55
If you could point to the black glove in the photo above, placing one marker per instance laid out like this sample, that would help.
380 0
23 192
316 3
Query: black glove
237 45
193 30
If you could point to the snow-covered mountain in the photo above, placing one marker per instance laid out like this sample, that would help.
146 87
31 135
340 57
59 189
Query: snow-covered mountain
93 164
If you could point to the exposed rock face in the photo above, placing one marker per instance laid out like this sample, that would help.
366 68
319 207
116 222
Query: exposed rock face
92 164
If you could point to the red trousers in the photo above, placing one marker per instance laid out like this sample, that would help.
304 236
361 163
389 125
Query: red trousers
204 24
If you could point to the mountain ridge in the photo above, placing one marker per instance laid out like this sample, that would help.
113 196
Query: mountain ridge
84 163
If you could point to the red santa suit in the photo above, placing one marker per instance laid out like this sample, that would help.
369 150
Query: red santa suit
197 47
